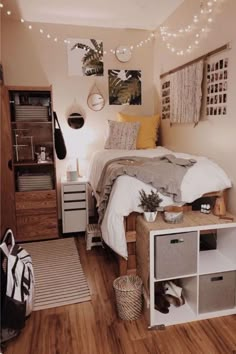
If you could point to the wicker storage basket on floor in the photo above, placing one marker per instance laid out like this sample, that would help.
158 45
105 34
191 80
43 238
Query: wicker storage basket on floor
128 292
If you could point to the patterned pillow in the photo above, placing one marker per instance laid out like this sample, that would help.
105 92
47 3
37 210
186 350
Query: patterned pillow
148 132
122 135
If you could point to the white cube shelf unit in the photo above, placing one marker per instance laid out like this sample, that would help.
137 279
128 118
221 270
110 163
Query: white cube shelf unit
172 252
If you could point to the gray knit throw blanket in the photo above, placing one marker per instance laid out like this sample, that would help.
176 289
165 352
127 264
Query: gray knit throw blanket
164 173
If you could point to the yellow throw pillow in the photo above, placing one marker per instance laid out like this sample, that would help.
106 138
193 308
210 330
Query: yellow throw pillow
147 135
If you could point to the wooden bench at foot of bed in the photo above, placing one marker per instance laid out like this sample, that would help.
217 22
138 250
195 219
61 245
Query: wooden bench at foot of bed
129 266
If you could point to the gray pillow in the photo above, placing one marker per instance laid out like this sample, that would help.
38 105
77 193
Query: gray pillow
122 135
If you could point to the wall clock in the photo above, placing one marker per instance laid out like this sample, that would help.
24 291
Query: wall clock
123 53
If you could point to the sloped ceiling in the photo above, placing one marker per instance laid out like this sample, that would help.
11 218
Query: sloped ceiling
130 14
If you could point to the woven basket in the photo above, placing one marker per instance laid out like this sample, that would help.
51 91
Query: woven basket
128 292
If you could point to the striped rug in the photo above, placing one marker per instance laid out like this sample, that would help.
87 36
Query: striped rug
59 276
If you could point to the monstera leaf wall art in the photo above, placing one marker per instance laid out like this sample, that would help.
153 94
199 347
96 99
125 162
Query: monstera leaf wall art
85 57
124 87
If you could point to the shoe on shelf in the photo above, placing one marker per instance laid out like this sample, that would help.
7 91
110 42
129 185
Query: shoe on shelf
173 294
161 303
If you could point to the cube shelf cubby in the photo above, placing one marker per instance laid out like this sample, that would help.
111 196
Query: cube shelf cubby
207 277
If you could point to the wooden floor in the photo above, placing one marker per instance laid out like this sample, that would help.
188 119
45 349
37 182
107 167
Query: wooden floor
93 327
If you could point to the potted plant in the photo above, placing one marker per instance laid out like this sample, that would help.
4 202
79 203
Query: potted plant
149 203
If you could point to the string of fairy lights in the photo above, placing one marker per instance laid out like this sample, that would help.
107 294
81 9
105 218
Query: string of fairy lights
56 39
197 29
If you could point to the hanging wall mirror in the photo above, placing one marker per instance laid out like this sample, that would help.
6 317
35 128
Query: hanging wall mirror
75 120
95 99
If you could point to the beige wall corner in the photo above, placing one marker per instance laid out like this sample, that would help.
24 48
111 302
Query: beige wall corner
215 136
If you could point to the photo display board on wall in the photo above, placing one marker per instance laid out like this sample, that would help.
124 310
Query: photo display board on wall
216 87
165 93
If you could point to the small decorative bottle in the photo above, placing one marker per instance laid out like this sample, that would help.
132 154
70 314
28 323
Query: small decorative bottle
42 153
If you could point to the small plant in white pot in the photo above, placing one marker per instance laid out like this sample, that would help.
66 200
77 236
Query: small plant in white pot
150 204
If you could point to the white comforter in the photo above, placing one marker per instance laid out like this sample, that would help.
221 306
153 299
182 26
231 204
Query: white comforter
204 177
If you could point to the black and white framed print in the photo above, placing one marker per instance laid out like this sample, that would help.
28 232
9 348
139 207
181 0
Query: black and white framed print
125 87
85 57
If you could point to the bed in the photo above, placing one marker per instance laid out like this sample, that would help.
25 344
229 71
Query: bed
118 224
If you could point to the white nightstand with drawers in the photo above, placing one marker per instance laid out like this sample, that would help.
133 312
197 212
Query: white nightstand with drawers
74 203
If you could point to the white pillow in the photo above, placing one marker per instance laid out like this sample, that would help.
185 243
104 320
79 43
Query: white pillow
122 135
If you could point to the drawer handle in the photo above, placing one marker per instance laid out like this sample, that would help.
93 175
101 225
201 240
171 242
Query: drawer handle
74 192
217 278
75 209
177 240
74 200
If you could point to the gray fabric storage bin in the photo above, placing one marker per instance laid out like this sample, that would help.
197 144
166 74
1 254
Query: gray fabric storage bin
176 255
217 291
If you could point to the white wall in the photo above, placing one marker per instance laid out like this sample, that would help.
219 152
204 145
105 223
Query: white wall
214 137
31 59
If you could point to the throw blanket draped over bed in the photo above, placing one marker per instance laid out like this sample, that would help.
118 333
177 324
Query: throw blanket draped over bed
163 173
